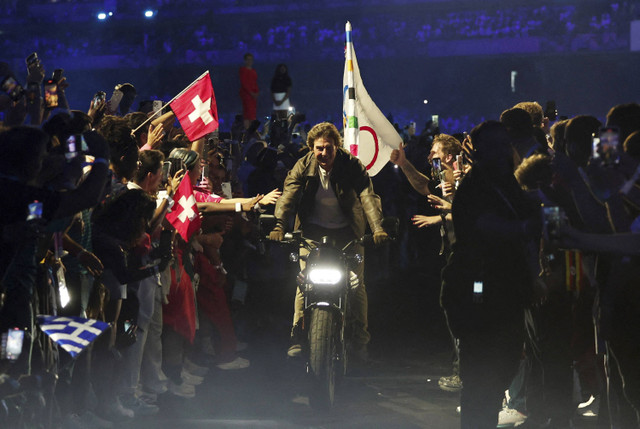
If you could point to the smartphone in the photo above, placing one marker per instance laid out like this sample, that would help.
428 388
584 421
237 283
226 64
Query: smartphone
177 164
435 120
127 325
12 344
32 61
99 97
71 146
606 145
63 291
478 289
551 111
51 94
35 211
157 105
166 168
57 75
459 163
12 88
553 218
436 164
114 102
226 190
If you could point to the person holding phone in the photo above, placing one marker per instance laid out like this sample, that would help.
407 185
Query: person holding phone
488 280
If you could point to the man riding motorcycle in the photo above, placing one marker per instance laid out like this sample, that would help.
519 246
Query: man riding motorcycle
331 195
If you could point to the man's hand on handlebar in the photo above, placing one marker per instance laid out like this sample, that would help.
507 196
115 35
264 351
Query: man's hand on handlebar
380 237
277 234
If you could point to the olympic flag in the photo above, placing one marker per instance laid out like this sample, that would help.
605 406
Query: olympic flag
367 132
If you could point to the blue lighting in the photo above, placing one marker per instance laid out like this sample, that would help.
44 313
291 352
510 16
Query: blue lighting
148 13
102 16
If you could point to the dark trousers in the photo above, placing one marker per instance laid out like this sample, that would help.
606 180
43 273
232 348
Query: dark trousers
489 358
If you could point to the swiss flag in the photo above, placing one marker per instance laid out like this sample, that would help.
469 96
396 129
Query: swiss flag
184 215
196 108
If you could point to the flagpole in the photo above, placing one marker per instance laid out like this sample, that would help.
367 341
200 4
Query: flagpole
171 101
351 126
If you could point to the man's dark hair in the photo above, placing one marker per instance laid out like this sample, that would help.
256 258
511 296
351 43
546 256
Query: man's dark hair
324 130
136 119
626 117
247 55
150 162
518 123
535 111
578 136
124 150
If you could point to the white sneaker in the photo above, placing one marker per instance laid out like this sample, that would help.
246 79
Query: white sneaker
237 363
590 407
189 378
195 369
182 390
509 417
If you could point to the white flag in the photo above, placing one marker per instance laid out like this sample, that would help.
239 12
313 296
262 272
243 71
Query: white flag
367 132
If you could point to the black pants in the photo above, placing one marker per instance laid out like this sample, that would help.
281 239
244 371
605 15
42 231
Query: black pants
489 357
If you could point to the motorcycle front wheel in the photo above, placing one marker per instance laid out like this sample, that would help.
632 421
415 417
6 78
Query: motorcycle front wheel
323 349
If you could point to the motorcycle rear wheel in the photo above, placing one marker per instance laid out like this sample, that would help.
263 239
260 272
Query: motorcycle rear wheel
323 350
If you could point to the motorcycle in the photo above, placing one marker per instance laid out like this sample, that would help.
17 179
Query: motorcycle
326 284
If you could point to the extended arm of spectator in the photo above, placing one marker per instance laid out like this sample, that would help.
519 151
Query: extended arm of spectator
419 181
622 244
34 108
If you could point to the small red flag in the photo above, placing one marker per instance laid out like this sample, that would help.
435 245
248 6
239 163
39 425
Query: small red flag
196 108
184 215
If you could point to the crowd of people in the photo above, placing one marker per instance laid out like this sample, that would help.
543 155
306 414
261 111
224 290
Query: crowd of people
538 217
560 28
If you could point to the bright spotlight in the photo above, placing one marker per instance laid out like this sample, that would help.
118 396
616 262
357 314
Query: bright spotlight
102 16
425 101
148 13
110 13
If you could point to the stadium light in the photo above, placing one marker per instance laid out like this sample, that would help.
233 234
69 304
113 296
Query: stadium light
102 16
149 13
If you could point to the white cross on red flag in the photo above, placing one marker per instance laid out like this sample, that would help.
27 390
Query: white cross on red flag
184 215
196 108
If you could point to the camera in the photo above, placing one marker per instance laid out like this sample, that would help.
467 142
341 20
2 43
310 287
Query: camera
99 97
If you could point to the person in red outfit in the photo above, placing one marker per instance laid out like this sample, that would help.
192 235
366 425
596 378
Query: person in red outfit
248 90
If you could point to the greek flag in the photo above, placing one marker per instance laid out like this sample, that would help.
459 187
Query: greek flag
73 334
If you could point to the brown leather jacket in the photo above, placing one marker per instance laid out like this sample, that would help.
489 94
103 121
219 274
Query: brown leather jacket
350 182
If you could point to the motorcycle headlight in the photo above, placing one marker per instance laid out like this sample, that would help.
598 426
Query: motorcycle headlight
325 276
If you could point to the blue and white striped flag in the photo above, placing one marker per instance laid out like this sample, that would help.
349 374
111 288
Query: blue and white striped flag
73 334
